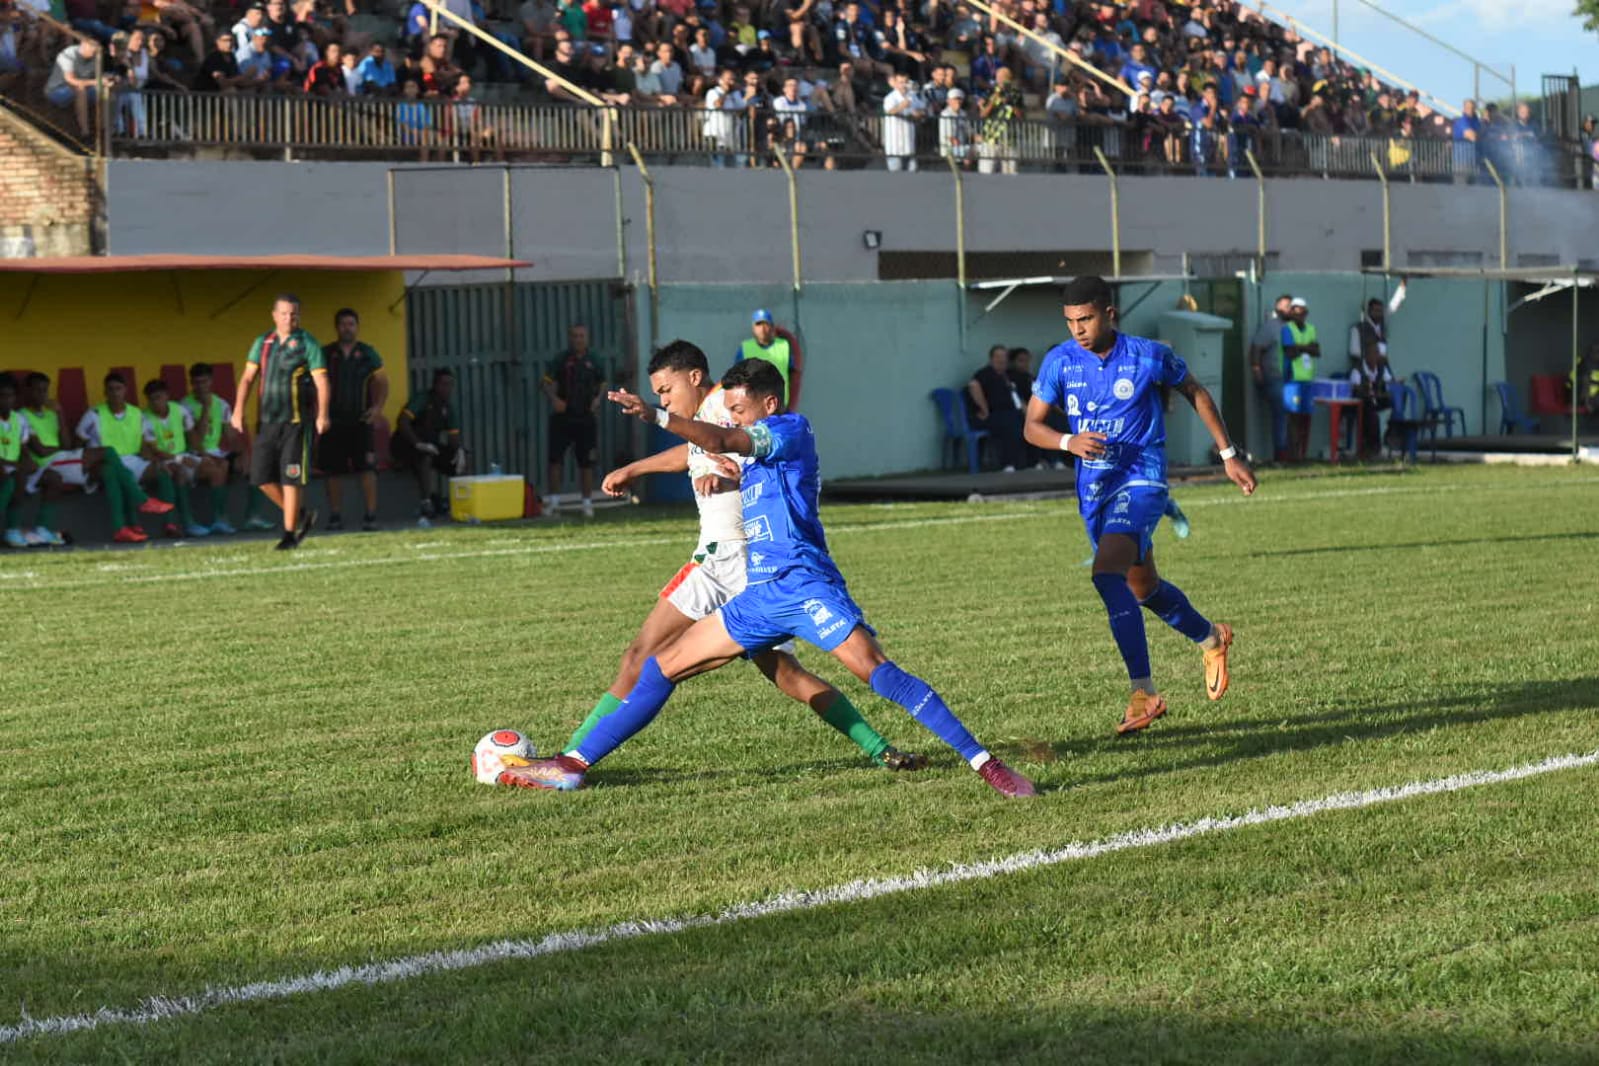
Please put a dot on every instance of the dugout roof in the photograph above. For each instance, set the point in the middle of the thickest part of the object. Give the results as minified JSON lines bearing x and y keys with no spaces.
{"x":116,"y":264}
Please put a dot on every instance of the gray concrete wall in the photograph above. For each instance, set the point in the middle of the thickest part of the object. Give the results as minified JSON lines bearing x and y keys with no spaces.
{"x":732,"y":226}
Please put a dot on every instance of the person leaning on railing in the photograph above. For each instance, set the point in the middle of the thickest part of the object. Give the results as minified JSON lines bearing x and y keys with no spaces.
{"x":220,"y":71}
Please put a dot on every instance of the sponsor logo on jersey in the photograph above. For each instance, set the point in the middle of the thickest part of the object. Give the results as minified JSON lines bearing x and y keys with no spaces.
{"x":751,"y":494}
{"x":1071,"y":405}
{"x":758,"y":528}
{"x":818,"y":611}
{"x":1123,"y":389}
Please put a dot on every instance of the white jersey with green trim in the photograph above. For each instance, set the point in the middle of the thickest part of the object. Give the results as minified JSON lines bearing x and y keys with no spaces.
{"x":721,"y":515}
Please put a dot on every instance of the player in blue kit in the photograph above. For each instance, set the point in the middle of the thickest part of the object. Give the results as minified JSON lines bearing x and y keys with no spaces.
{"x":1109,"y":384}
{"x":793,"y":588}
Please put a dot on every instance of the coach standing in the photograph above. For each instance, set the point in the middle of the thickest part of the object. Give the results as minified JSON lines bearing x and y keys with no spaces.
{"x":360,"y":389}
{"x":574,"y":385}
{"x":290,"y":366}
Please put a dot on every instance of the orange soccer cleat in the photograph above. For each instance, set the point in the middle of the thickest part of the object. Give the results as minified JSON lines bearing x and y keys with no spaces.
{"x":1216,"y":662}
{"x":1142,"y":709}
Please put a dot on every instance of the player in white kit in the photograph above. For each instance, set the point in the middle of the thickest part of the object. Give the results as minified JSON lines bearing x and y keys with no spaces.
{"x":716,"y":571}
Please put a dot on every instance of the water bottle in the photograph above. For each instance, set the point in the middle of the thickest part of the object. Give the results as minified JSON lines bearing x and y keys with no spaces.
{"x":494,"y":470}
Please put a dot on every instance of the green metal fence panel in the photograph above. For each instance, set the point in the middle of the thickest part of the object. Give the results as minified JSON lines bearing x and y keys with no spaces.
{"x":498,"y":339}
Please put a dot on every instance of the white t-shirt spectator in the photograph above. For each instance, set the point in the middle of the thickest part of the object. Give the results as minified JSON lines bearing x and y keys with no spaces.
{"x":899,"y":130}
{"x":721,"y":116}
{"x":954,"y":133}
{"x":794,"y":109}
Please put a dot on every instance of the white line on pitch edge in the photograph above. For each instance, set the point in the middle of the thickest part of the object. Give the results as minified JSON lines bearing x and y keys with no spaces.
{"x":619,"y":542}
{"x":160,"y":1008}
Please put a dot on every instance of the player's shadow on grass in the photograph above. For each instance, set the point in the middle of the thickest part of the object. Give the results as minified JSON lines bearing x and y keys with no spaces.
{"x":1381,"y":546}
{"x":1232,"y":739}
{"x":667,"y":775}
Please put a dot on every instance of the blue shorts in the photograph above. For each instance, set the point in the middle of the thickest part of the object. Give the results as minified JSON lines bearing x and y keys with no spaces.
{"x":1133,"y":508}
{"x":797,"y":603}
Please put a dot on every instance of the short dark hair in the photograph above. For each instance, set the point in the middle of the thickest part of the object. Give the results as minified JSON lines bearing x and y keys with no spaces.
{"x":200,"y":370}
{"x":344,"y":312}
{"x":679,"y":355}
{"x":8,"y":382}
{"x":1374,"y":302}
{"x":756,"y":377}
{"x":992,"y":348}
{"x":34,"y":378}
{"x":115,"y":377}
{"x":1088,"y":289}
{"x":286,"y":298}
{"x":441,"y":373}
{"x":153,"y":386}
{"x":1017,"y":353}
{"x":1285,"y":296}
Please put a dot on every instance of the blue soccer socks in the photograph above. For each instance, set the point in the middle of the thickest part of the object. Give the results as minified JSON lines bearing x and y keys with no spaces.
{"x":925,"y":705}
{"x":1169,"y":604}
{"x":1126,"y":625}
{"x":635,"y":712}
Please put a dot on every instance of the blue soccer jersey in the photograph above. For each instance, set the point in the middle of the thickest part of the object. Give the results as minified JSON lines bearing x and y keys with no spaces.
{"x":1123,"y":491}
{"x":780,"y":492}
{"x":793,"y":587}
{"x":1118,"y":396}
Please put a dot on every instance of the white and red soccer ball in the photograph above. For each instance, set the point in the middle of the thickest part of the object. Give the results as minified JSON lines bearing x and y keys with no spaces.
{"x":500,"y":750}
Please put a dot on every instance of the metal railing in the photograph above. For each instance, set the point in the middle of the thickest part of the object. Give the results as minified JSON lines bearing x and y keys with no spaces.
{"x":334,"y":127}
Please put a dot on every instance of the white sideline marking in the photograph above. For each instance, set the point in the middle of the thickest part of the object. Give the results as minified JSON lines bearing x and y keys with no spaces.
{"x":215,"y":571}
{"x":485,"y":553}
{"x":160,"y":1008}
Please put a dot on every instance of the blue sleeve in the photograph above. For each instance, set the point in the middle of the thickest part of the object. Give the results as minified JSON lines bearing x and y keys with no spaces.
{"x":738,"y":356}
{"x":1172,"y":368}
{"x":779,"y":438}
{"x":1046,"y":386}
{"x":1287,"y":337}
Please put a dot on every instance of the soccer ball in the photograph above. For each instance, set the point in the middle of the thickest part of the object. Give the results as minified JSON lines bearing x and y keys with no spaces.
{"x":500,"y":749}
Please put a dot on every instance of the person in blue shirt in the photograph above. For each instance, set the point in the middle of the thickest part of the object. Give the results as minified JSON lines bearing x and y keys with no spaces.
{"x":792,"y":589}
{"x":1109,"y":384}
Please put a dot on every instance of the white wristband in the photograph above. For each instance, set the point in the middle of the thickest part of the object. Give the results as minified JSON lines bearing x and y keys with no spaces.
{"x":1227,"y":453}
{"x":662,"y":416}
{"x":1066,"y":442}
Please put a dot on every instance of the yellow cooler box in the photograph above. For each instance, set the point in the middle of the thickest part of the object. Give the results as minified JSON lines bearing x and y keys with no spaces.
{"x":490,"y":498}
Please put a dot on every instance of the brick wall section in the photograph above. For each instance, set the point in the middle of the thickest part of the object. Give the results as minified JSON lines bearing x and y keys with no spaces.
{"x":49,"y":196}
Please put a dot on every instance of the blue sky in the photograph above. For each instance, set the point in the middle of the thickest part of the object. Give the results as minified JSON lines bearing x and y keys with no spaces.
{"x":1538,"y":36}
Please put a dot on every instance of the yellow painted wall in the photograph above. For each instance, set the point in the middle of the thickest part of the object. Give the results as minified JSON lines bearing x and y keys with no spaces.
{"x":144,"y":320}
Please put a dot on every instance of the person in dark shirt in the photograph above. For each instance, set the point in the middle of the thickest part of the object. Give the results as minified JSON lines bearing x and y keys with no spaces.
{"x":574,"y":385}
{"x":996,"y":407}
{"x":220,"y":71}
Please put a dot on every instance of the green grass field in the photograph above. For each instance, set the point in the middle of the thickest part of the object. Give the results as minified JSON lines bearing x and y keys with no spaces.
{"x":222,"y":765}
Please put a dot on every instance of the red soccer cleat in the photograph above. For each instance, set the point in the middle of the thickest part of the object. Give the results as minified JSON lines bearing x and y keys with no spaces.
{"x":560,"y":774}
{"x":151,"y":505}
{"x":130,"y":535}
{"x":1005,"y":781}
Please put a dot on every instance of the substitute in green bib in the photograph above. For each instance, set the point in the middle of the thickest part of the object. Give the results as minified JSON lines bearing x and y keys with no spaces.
{"x":55,"y":466}
{"x":170,"y":429}
{"x":117,"y":451}
{"x":220,"y":450}
{"x":295,"y":399}
{"x":777,"y":347}
{"x":1301,"y":356}
{"x":13,"y":462}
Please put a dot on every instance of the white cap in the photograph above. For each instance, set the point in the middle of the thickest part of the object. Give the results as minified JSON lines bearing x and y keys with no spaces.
{"x":957,"y":94}
{"x":1298,"y":301}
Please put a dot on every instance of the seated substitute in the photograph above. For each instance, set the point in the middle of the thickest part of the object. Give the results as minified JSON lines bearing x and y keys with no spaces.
{"x":427,"y":442}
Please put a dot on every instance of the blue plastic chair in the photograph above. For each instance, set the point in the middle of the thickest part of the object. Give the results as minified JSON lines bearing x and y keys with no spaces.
{"x":958,"y":431}
{"x":1406,"y":417}
{"x":1511,"y":420}
{"x":1434,"y":412}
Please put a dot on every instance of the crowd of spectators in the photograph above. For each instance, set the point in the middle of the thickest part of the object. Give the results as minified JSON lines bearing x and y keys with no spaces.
{"x":815,"y":79}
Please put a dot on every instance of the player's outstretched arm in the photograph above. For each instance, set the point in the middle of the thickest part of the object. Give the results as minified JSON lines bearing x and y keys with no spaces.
{"x":723,"y":440}
{"x":671,"y":461}
{"x":1205,"y":407}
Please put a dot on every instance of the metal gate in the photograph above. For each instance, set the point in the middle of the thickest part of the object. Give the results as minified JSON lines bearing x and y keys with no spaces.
{"x":498,"y":339}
